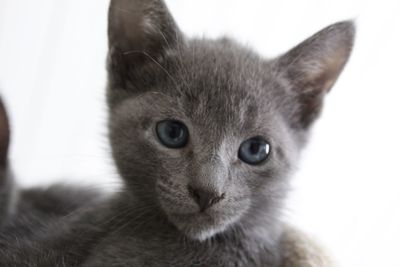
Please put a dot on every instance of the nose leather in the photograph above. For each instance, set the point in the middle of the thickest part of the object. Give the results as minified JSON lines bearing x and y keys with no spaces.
{"x":205,"y":198}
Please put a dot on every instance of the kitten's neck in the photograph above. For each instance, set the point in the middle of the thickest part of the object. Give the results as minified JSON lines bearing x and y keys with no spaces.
{"x":143,"y":218}
{"x":132,"y":223}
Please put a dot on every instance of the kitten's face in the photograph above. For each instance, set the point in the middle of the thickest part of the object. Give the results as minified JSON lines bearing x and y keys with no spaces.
{"x":220,"y":112}
{"x":207,"y":131}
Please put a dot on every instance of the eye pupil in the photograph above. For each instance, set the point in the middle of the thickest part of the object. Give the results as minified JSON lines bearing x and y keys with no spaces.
{"x":254,"y":151}
{"x":254,"y":148}
{"x":172,"y":133}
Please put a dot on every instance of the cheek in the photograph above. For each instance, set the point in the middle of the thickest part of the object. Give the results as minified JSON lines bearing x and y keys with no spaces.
{"x":133,"y":154}
{"x":141,"y":159}
{"x":238,"y":187}
{"x":254,"y":181}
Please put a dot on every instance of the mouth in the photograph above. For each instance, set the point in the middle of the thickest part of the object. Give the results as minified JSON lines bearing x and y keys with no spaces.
{"x":199,"y":226}
{"x":203,"y":225}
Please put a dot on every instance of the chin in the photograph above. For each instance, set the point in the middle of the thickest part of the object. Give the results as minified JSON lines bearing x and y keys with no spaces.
{"x":202,"y":226}
{"x":203,"y":234}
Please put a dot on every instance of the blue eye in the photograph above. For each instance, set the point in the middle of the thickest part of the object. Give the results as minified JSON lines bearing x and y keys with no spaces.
{"x":254,"y":150}
{"x":172,"y":133}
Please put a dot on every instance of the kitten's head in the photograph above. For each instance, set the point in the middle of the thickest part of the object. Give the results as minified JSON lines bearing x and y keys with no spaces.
{"x":207,"y":130}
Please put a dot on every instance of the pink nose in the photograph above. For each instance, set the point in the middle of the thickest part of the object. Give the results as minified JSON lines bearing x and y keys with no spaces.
{"x":205,"y":198}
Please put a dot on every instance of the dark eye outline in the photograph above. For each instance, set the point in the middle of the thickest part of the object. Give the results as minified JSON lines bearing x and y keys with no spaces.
{"x":164,"y":141}
{"x":255,"y":162}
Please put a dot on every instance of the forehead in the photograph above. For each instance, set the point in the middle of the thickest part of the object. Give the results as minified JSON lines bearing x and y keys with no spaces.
{"x":221,"y":83}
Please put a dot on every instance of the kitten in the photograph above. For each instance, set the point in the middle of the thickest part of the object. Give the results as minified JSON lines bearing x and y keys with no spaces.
{"x":205,"y":134}
{"x":5,"y":177}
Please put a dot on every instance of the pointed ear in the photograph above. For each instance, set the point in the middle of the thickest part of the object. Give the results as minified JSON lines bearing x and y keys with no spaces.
{"x":314,"y":66}
{"x":140,"y":31}
{"x":4,"y":135}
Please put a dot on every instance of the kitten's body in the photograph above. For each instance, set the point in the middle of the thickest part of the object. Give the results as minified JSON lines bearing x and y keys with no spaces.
{"x":224,"y":94}
{"x":117,"y":238}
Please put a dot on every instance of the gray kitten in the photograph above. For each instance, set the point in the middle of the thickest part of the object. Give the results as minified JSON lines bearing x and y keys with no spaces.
{"x":205,"y":134}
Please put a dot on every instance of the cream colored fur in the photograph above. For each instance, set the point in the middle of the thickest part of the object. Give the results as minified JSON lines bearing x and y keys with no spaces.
{"x":299,"y":250}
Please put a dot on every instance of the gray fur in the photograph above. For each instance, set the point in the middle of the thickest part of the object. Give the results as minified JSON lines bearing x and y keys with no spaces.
{"x":225,"y":94}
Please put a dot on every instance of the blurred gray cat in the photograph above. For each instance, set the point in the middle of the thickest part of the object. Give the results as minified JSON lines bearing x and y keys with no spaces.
{"x":205,"y":134}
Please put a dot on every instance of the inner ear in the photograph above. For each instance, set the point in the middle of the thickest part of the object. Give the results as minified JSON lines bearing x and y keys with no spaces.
{"x":313,"y":67}
{"x":141,"y":33}
{"x":141,"y":26}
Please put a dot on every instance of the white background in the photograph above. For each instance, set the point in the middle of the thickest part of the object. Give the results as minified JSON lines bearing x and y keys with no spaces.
{"x":347,"y":190}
